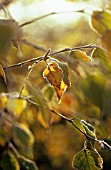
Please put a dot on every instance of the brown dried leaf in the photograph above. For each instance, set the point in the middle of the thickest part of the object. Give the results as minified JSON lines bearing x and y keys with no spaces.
{"x":54,"y":75}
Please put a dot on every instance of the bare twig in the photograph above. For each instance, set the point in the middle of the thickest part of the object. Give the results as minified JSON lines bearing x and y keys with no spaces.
{"x":49,"y":14}
{"x":37,"y":47}
{"x":30,"y":69}
{"x":53,"y":53}
{"x":24,"y":62}
{"x":71,"y":120}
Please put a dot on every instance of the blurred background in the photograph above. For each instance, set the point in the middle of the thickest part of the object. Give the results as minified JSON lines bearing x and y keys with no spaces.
{"x":89,"y":97}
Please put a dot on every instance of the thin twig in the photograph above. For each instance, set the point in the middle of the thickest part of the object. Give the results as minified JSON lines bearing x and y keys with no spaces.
{"x":70,"y":120}
{"x":49,"y":14}
{"x":24,"y":62}
{"x":53,"y":53}
{"x":30,"y":69}
{"x":27,"y":77}
{"x":37,"y":47}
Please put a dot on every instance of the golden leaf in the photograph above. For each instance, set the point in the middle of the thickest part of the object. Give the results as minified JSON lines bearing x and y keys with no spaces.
{"x":61,"y":90}
{"x":54,"y":75}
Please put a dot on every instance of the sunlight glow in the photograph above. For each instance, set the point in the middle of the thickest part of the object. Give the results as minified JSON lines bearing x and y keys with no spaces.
{"x":38,"y":8}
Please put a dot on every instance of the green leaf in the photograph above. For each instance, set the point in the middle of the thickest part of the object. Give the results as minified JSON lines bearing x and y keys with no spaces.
{"x":101,"y":21}
{"x":90,"y":130}
{"x":23,"y":138}
{"x":77,"y":122}
{"x":9,"y":162}
{"x":87,"y":160}
{"x":27,"y":164}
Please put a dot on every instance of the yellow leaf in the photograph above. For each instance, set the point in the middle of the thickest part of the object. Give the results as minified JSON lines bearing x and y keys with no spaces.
{"x":54,"y":75}
{"x":60,"y":90}
{"x":41,"y":120}
{"x":78,"y":55}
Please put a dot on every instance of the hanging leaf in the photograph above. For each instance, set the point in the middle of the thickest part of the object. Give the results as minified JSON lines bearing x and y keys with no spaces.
{"x":27,"y":164}
{"x":100,"y":53}
{"x":54,"y":75}
{"x":2,"y":73}
{"x":9,"y":162}
{"x":101,"y":21}
{"x":23,"y":139}
{"x":78,"y":55}
{"x":87,"y":160}
{"x":76,"y":61}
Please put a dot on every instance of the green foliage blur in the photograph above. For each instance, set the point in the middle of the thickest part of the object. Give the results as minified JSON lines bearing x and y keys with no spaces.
{"x":31,"y":136}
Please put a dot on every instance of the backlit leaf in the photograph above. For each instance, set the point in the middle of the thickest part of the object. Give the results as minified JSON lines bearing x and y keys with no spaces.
{"x":78,"y":55}
{"x":87,"y":160}
{"x":54,"y":75}
{"x":90,"y":130}
{"x":100,"y":53}
{"x":76,"y":60}
{"x":101,"y":21}
{"x":9,"y":162}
